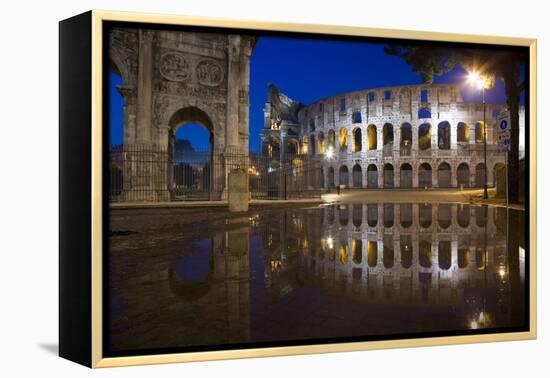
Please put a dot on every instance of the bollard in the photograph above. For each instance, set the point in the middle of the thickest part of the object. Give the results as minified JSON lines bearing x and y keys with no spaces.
{"x":238,"y":190}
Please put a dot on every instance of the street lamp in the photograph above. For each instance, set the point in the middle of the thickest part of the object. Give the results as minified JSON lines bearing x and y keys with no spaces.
{"x":481,"y":82}
{"x":330,"y":153}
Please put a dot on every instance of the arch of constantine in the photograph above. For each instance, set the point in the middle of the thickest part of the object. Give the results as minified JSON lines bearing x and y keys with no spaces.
{"x":172,"y":78}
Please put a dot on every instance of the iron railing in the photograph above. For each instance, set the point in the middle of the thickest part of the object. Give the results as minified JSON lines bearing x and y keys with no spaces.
{"x":154,"y":173}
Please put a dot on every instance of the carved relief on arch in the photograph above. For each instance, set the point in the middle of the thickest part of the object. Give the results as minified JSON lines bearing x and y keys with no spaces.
{"x":209,"y":73}
{"x":123,"y":54}
{"x":174,"y":67}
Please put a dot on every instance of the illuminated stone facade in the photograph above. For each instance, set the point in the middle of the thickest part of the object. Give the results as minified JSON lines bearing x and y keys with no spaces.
{"x":419,"y":136}
{"x":171,"y":78}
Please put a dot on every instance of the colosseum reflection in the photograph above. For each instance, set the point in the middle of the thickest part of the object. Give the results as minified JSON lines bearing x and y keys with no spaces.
{"x":359,"y":270}
{"x":419,"y":136}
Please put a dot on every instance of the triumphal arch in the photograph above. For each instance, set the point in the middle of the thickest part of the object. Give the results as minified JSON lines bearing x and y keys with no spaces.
{"x":172,"y":78}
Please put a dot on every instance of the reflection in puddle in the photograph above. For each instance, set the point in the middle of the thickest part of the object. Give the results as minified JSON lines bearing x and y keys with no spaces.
{"x":336,"y":271}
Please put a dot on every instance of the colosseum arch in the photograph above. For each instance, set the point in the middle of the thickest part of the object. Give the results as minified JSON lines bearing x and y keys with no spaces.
{"x":372,"y":176}
{"x":343,"y":139}
{"x":479,"y":129}
{"x":406,"y":176}
{"x":387,"y":134}
{"x":330,"y":177}
{"x":344,"y":176}
{"x":462,"y":133}
{"x":425,"y":175}
{"x":463,"y":175}
{"x":444,"y":176}
{"x":388,"y":176}
{"x":372,"y":138}
{"x":331,"y":136}
{"x":406,"y":139}
{"x":425,"y":136}
{"x":357,"y":176}
{"x":480,"y":175}
{"x":321,"y":143}
{"x":357,"y":145}
{"x":444,"y":135}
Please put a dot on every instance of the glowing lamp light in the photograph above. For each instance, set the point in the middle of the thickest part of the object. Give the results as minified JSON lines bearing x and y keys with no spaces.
{"x":330,"y":242}
{"x":502,"y":272}
{"x":475,"y":78}
{"x":474,"y":325}
{"x":330,"y":153}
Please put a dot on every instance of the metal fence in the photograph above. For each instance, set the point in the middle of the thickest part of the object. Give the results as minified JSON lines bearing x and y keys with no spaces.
{"x":152,"y":173}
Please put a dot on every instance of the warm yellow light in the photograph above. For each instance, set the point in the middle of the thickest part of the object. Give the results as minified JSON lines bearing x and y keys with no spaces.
{"x":474,"y":325}
{"x":330,"y":242}
{"x":475,"y":78}
{"x":330,"y":153}
{"x":502,"y":272}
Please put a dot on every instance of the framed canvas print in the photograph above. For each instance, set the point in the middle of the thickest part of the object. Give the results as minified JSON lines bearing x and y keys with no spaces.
{"x":235,"y":189}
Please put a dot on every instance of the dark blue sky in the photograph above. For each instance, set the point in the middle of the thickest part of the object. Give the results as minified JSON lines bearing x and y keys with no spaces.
{"x":307,"y":70}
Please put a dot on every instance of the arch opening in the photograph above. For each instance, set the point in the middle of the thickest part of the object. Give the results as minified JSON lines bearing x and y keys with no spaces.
{"x":444,"y":177}
{"x":406,"y":176}
{"x":372,"y":142}
{"x":388,"y":176}
{"x":425,"y":175}
{"x":463,"y":175}
{"x":344,"y":176}
{"x":357,"y":176}
{"x":190,"y":146}
{"x":462,"y":133}
{"x":444,"y":135}
{"x":425,"y":136}
{"x":372,"y":176}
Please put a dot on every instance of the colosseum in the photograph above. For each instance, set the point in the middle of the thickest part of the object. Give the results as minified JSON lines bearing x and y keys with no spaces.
{"x":416,"y":136}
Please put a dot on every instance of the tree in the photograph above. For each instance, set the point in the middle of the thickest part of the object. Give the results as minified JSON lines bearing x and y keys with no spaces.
{"x":429,"y":61}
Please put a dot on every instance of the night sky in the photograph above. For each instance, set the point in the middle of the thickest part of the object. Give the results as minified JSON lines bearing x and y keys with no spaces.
{"x":307,"y":70}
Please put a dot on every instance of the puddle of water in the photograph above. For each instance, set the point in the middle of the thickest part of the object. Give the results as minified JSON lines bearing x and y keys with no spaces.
{"x":349,"y":270}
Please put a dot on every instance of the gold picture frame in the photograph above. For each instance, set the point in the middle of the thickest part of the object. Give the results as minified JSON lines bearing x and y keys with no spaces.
{"x":96,"y":18}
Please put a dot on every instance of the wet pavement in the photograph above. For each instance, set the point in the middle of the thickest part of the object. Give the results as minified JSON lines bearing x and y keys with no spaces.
{"x":200,"y":279}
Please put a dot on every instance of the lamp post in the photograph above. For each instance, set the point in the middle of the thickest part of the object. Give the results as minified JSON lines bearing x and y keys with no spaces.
{"x":482,"y":82}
